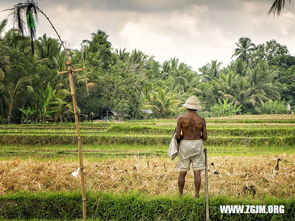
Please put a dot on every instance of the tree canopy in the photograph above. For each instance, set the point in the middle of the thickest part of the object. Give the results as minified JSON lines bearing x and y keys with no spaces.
{"x":259,"y":79}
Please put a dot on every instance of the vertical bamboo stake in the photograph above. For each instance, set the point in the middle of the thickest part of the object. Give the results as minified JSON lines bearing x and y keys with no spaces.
{"x":206,"y":186}
{"x":70,"y":71}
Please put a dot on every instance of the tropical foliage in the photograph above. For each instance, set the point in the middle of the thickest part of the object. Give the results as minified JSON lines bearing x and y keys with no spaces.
{"x":259,"y":79}
{"x":225,"y":108}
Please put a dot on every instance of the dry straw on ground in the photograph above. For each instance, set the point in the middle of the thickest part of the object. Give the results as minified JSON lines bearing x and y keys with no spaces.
{"x":152,"y":176}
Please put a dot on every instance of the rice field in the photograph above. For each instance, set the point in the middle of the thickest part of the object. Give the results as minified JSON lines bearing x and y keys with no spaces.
{"x":153,"y":176}
{"x":132,"y":156}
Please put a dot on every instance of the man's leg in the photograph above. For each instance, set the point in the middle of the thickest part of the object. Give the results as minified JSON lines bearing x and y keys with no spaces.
{"x":181,"y":182}
{"x":197,"y":180}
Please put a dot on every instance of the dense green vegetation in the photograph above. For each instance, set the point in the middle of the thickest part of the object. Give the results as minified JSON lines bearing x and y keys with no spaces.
{"x":260,"y":79}
{"x":131,"y":206}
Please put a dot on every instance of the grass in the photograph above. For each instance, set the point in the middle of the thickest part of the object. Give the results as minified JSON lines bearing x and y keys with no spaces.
{"x":102,"y":152}
{"x":129,"y":206}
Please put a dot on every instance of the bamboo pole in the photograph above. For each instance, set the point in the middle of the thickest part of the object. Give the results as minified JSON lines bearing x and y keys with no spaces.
{"x":70,"y":71}
{"x":206,"y":186}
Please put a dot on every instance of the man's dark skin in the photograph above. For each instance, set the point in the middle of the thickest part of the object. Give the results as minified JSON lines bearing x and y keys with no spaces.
{"x":193,"y":127}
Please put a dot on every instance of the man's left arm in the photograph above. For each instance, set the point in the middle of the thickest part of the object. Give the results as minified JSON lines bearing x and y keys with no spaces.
{"x":178,"y":129}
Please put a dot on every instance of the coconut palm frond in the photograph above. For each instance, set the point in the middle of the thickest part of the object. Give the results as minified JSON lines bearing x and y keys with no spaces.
{"x":3,"y":23}
{"x":277,"y":7}
{"x":18,"y":18}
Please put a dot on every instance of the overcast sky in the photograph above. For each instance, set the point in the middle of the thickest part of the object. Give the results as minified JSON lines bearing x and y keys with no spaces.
{"x":195,"y":31}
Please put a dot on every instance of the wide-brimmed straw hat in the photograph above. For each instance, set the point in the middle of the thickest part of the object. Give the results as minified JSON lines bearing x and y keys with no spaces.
{"x":192,"y":103}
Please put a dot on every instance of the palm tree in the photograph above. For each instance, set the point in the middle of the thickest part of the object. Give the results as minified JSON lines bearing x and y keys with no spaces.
{"x":14,"y":91}
{"x":170,"y":68}
{"x":210,"y":71}
{"x":163,"y":102}
{"x":245,"y":47}
{"x":13,"y":40}
{"x":99,"y":49}
{"x":46,"y":100}
{"x":137,"y":62}
{"x":123,"y":55}
{"x":261,"y":87}
{"x":61,"y":107}
{"x":228,"y":85}
{"x":239,"y":67}
{"x":47,"y":47}
{"x":277,"y":7}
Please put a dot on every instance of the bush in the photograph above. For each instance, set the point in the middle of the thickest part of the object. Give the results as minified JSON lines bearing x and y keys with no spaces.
{"x":273,"y":107}
{"x":225,"y":108}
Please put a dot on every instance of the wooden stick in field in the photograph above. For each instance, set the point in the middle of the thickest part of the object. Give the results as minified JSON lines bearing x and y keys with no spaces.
{"x":206,"y":186}
{"x":70,"y":71}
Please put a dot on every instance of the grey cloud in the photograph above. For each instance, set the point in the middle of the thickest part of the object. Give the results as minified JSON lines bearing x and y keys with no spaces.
{"x":121,"y":5}
{"x":214,"y":25}
{"x":137,"y":5}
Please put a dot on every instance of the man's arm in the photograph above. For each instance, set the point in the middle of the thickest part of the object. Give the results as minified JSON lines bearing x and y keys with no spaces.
{"x":178,"y":129}
{"x":204,"y":131}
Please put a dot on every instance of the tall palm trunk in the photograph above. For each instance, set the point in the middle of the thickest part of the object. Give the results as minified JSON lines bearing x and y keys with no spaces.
{"x":8,"y":119}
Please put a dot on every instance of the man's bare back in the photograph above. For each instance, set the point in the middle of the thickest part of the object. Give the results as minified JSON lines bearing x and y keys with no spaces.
{"x":192,"y":126}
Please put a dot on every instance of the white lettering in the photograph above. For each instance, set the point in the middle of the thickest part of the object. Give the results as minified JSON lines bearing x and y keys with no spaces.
{"x":270,"y":209}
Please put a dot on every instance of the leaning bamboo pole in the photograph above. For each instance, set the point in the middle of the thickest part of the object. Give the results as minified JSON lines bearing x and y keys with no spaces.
{"x":70,"y":71}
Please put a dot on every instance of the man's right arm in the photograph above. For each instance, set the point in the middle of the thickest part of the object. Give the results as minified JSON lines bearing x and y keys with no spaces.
{"x":204,"y":131}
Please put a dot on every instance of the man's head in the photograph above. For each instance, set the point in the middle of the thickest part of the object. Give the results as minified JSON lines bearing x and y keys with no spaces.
{"x":192,"y":103}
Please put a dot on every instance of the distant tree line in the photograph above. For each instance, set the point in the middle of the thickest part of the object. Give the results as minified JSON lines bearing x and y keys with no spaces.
{"x":260,"y":79}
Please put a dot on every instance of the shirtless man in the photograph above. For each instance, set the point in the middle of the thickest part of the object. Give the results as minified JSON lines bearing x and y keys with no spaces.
{"x":191,"y":129}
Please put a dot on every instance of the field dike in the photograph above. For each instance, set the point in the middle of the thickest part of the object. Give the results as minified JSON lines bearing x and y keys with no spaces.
{"x":139,"y":139}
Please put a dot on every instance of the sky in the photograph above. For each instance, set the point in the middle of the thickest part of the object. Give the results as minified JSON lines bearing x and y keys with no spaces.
{"x":194,"y":31}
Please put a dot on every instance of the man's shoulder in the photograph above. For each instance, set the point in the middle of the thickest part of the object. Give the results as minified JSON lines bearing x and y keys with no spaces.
{"x":182,"y":116}
{"x":200,"y":119}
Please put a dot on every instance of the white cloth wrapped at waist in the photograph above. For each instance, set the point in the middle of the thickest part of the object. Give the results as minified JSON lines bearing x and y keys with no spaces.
{"x":190,"y":148}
